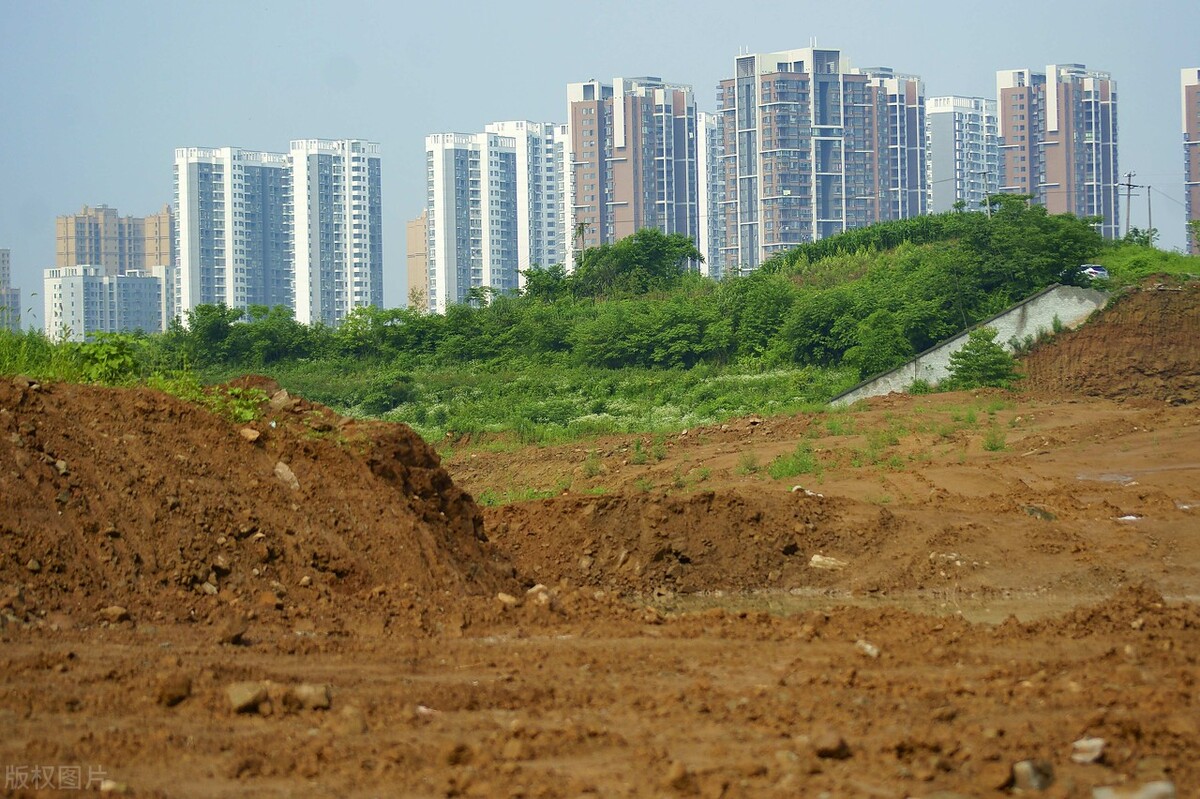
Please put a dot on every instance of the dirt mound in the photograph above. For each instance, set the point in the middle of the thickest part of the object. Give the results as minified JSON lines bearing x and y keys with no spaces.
{"x":1145,"y":344}
{"x":727,"y":540}
{"x":133,"y":498}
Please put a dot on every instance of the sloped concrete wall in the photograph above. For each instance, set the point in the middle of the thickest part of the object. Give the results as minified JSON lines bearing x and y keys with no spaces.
{"x":1070,"y":304}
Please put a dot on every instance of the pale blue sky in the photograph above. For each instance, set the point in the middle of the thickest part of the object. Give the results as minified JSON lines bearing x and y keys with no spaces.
{"x":95,"y":96}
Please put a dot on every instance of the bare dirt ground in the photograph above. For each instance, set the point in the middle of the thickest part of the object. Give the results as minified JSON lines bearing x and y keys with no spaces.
{"x":939,"y":597}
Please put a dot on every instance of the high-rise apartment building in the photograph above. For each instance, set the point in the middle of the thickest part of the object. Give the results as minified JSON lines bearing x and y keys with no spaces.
{"x":472,"y":206}
{"x":962,"y":153}
{"x":811,"y":148}
{"x":82,"y":300}
{"x":710,"y":193}
{"x":234,"y":244}
{"x":101,"y":237}
{"x":541,"y":193}
{"x":632,"y":154}
{"x":416,"y":239}
{"x":10,"y":297}
{"x":338,"y":228}
{"x":301,"y":229}
{"x":1058,"y":140}
{"x":1190,"y":96}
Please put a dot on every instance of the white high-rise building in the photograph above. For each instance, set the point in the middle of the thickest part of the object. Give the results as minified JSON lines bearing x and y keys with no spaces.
{"x":472,"y":200}
{"x":302,"y":229}
{"x":234,"y":238}
{"x":338,"y":228}
{"x":962,"y":161}
{"x":541,"y":193}
{"x":710,"y":193}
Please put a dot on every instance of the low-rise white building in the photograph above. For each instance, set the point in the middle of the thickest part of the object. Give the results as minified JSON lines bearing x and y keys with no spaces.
{"x":82,"y":300}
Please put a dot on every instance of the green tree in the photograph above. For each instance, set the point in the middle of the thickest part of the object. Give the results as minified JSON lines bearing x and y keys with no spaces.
{"x":647,"y":261}
{"x":981,"y":362}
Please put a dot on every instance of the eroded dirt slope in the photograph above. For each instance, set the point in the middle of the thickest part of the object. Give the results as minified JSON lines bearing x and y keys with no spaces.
{"x":1145,"y":344}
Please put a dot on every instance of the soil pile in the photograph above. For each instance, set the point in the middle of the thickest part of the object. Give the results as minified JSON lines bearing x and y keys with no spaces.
{"x":1146,"y":344}
{"x":724,"y":540}
{"x":135,"y":499}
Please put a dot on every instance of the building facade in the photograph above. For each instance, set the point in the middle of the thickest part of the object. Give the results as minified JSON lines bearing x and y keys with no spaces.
{"x":541,"y":193}
{"x":10,"y":296}
{"x":81,"y":301}
{"x":337,"y":202}
{"x":302,"y":229}
{"x":962,"y":152}
{"x":416,"y":239}
{"x":710,"y":194}
{"x":100,"y":236}
{"x":1190,"y":97}
{"x":632,"y":151}
{"x":1058,"y":140}
{"x":811,"y":148}
{"x":234,"y":243}
{"x":472,"y":206}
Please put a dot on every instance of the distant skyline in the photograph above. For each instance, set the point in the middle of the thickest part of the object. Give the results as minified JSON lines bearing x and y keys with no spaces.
{"x":95,"y":97}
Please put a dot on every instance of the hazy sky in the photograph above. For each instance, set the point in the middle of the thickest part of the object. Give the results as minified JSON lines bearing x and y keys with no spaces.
{"x":95,"y":96}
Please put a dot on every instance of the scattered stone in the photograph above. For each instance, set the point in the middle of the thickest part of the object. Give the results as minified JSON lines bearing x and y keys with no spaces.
{"x":174,"y":689}
{"x":34,"y":565}
{"x":305,"y":581}
{"x":1087,"y":750}
{"x":507,"y":599}
{"x":61,"y":467}
{"x":221,"y":565}
{"x":112,"y":786}
{"x":250,"y":434}
{"x":1032,"y":775}
{"x":829,"y":744}
{"x":867,"y":648}
{"x":114,"y":614}
{"x":823,"y":562}
{"x":208,"y":588}
{"x":233,"y":632}
{"x":1160,"y":789}
{"x":268,"y":599}
{"x":280,"y":400}
{"x":245,"y":697}
{"x":286,"y":476}
{"x":308,"y":696}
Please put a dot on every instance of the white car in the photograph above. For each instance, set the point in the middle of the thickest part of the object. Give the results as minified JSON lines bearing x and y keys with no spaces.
{"x":1094,"y":271}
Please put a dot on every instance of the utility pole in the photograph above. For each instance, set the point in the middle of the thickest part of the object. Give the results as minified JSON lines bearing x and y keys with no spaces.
{"x":1149,"y":212}
{"x":1128,"y":184}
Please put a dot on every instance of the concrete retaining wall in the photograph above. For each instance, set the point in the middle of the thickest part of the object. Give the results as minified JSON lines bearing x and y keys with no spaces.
{"x":1070,"y":304}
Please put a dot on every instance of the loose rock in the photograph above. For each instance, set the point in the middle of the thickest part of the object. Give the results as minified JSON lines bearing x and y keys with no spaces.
{"x":114,"y":614}
{"x":823,"y":562}
{"x":245,"y":697}
{"x":1087,"y":750}
{"x":286,"y":476}
{"x":308,"y":696}
{"x":1032,"y":775}
{"x":174,"y":689}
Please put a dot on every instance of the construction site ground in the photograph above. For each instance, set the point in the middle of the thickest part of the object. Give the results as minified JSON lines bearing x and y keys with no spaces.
{"x":973,"y":594}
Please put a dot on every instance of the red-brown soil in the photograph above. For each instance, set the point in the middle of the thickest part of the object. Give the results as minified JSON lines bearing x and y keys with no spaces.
{"x":1011,"y":573}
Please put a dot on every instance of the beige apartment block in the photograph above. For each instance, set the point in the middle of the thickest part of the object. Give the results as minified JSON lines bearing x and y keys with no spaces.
{"x":1058,"y":140}
{"x":416,"y":233}
{"x":101,"y":237}
{"x":631,"y":161}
